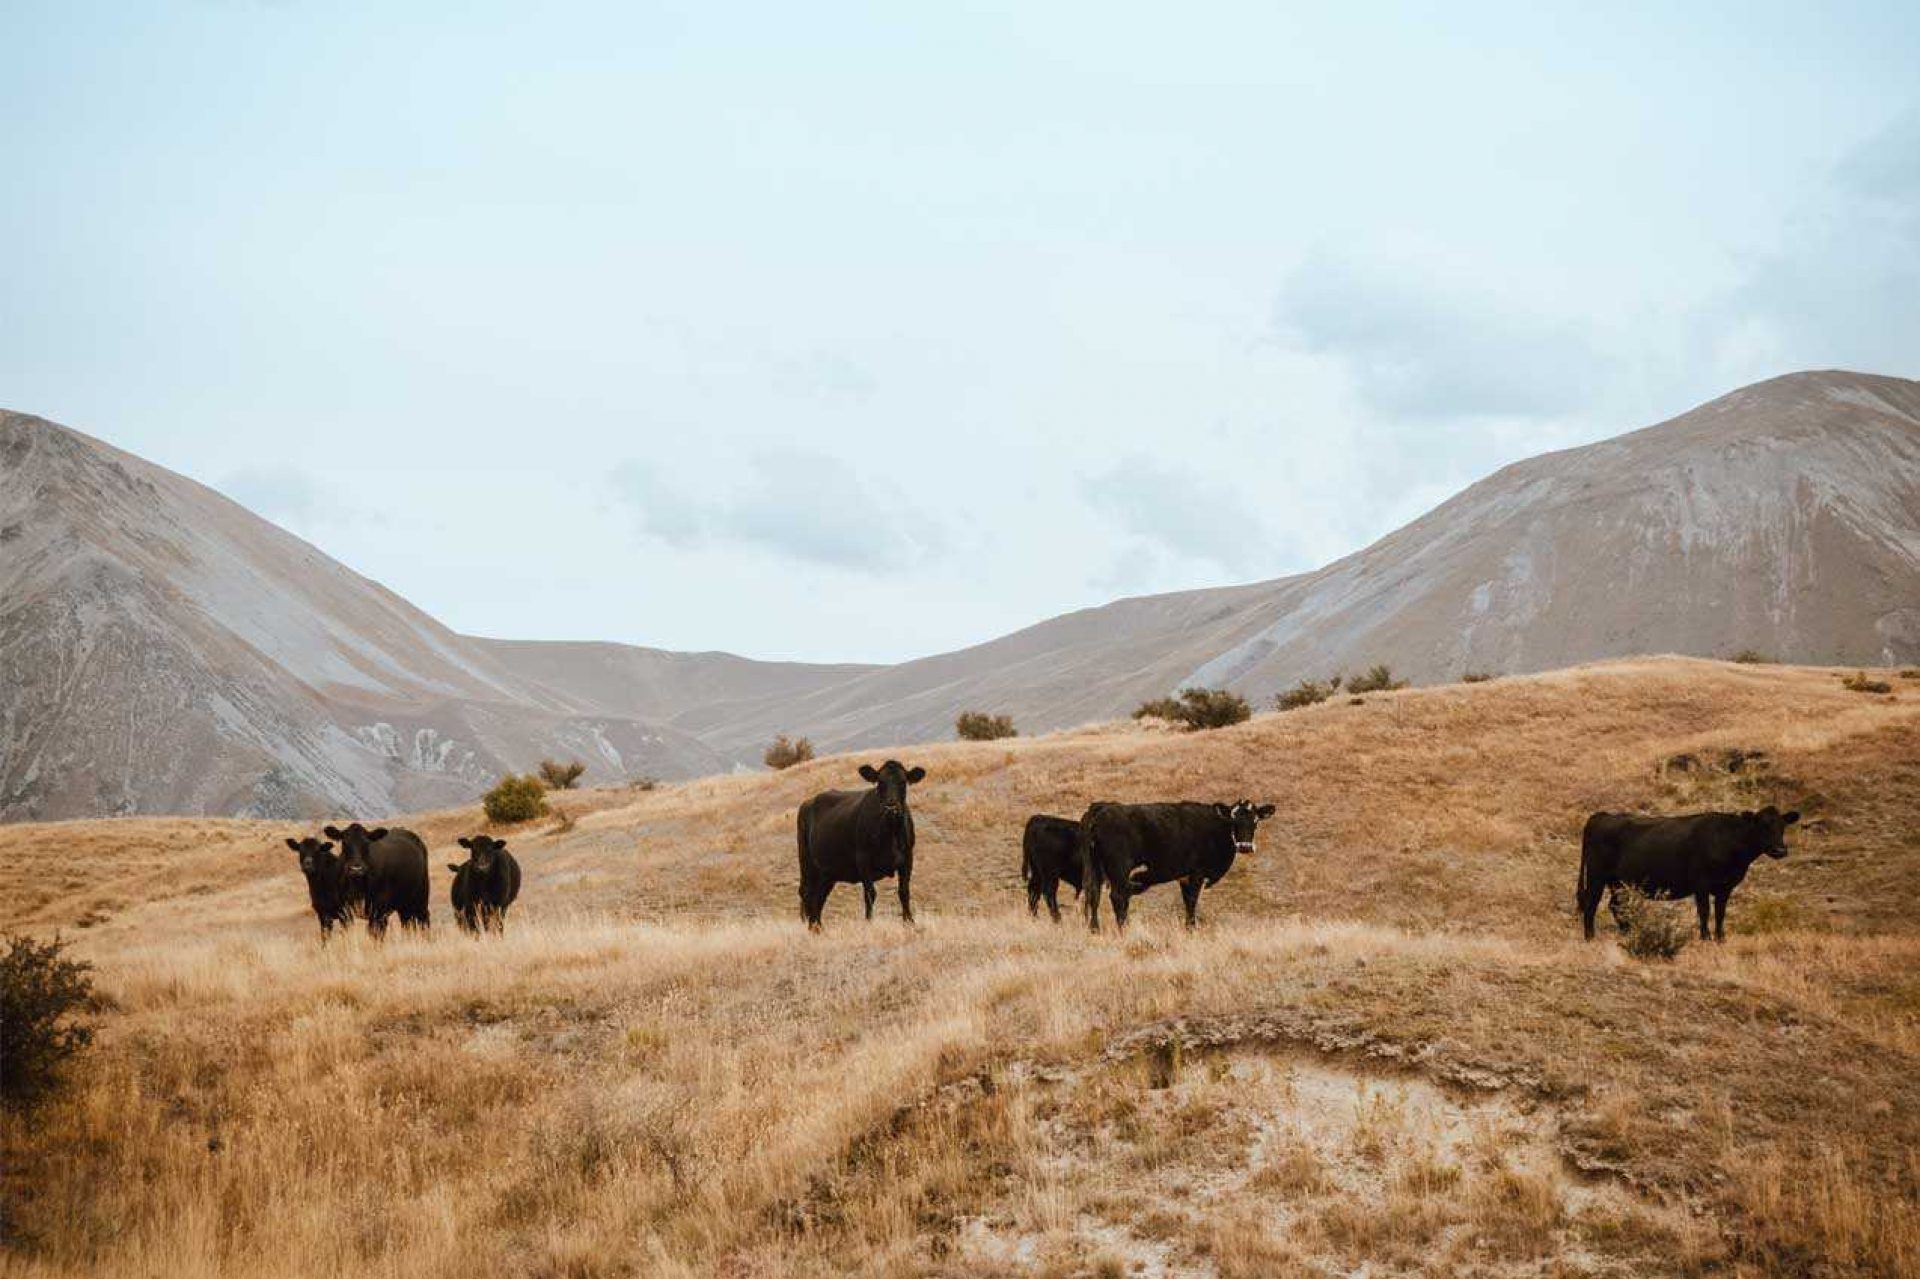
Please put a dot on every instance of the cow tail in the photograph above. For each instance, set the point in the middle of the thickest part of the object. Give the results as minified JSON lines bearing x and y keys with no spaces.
{"x":1091,"y":876}
{"x":1026,"y":860}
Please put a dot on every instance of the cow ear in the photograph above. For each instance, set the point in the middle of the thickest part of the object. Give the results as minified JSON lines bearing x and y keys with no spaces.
{"x":1264,"y":811}
{"x":867,"y":773}
{"x":916,"y":774}
{"x":331,"y":832}
{"x":294,"y":844}
{"x":1790,"y":818}
{"x":465,"y":841}
{"x":454,"y":867}
{"x":377,"y":834}
{"x":1223,"y":811}
{"x":499,"y":845}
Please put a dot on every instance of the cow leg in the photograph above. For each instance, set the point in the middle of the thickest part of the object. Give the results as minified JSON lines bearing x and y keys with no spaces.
{"x":906,"y":895}
{"x":817,"y":905}
{"x":1033,"y":898}
{"x":1053,"y":900}
{"x":1092,"y":903}
{"x":868,"y":893}
{"x":1589,"y":907}
{"x":1121,"y":897}
{"x":1190,"y":898}
{"x":1720,"y":916}
{"x":1700,"y":905}
{"x":376,"y":924}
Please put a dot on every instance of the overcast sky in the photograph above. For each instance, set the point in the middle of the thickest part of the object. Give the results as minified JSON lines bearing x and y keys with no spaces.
{"x":866,"y":332}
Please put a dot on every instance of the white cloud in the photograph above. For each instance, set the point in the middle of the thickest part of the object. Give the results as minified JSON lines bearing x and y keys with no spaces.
{"x":790,"y":502}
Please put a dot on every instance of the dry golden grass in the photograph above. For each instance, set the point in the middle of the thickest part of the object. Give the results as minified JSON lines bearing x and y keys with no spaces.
{"x":1386,"y":1047}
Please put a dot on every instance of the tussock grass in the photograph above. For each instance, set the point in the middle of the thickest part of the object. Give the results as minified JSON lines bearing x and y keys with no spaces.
{"x":1395,"y":1052}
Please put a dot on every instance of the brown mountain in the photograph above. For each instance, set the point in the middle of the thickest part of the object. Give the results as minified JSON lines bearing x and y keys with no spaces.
{"x":164,"y":650}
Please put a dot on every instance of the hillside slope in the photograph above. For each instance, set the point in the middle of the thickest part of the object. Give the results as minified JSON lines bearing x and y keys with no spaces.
{"x":1385,"y":1050}
{"x":164,"y":650}
{"x":1784,"y":517}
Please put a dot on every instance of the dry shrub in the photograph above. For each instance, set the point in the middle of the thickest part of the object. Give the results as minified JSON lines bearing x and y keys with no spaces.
{"x":1376,"y":679}
{"x":1752,"y":657}
{"x":1654,"y":930}
{"x":558,"y":776}
{"x":1198,"y":708}
{"x":42,"y":994}
{"x":515,"y":799}
{"x":1308,"y":692}
{"x":1859,"y":683}
{"x":785,"y":754}
{"x":1478,"y":677}
{"x":1762,"y":912}
{"x":978,"y":726}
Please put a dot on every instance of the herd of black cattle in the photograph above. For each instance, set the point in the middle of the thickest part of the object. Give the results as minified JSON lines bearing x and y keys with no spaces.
{"x":866,"y":836}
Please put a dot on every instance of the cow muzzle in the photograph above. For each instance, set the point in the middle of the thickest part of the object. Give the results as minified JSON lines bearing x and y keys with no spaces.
{"x":1243,"y":846}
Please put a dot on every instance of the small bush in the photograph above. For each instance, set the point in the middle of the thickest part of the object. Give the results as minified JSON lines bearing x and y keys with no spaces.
{"x":1777,"y":913}
{"x":1653,"y":932}
{"x":1478,"y":677}
{"x":785,"y":754}
{"x":1378,"y":679}
{"x":515,"y":799}
{"x":646,"y":781}
{"x":42,"y":994}
{"x":1752,"y":657}
{"x":1166,"y":708}
{"x":560,"y":776}
{"x":1308,"y":692}
{"x":978,"y":726}
{"x":1859,"y":683}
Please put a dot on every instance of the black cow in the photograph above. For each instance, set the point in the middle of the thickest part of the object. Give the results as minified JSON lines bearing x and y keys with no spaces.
{"x":1131,"y":847}
{"x":1049,"y":853}
{"x":1702,"y":856}
{"x":857,"y":837}
{"x":484,"y":885}
{"x":327,"y":885}
{"x":389,"y":870}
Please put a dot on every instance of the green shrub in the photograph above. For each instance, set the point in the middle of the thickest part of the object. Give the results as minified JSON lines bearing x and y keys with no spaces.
{"x":42,"y":994}
{"x":1198,"y":708}
{"x":785,"y":754}
{"x":1653,"y":931}
{"x":1478,"y":677}
{"x":1859,"y":683}
{"x":1378,"y":679}
{"x":558,"y":776}
{"x":1308,"y":692}
{"x":978,"y":726}
{"x":1752,"y":657}
{"x":515,"y":799}
{"x":1776,"y":913}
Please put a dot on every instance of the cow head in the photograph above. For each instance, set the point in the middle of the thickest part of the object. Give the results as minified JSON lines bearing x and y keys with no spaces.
{"x":1243,"y":818}
{"x":484,"y":852}
{"x":890,"y":782}
{"x":317,"y":858}
{"x":355,"y":841}
{"x":1768,"y":829}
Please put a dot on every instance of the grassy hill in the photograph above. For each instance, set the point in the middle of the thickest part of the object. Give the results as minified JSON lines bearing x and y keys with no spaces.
{"x":1385,"y":1047}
